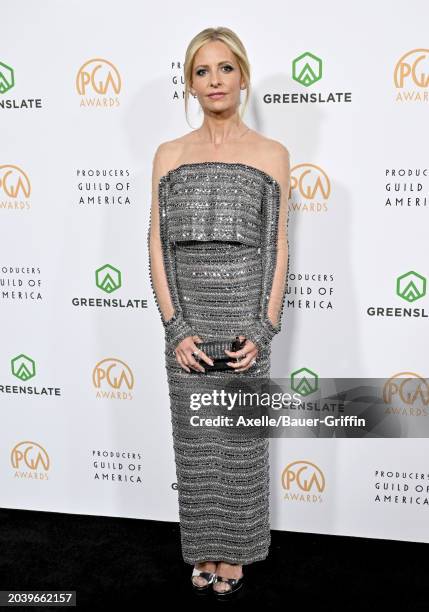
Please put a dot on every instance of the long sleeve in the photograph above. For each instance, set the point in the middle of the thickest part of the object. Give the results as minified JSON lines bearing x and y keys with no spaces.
{"x":274,"y":257}
{"x":162,"y":263}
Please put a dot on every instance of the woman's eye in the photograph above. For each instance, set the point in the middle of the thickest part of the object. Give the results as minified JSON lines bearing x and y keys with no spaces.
{"x":201,"y":71}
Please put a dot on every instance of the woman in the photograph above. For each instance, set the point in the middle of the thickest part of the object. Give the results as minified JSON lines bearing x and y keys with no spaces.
{"x":218,"y":265}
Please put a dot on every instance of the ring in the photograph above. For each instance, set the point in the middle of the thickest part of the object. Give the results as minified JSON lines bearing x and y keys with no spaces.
{"x":196,"y":353}
{"x":253,"y":362}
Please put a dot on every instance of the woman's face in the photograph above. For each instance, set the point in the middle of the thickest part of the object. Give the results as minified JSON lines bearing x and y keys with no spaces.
{"x":215,"y":69}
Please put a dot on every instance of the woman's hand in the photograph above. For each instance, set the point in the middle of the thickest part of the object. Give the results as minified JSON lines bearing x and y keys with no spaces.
{"x":250,"y":351}
{"x":185,"y":354}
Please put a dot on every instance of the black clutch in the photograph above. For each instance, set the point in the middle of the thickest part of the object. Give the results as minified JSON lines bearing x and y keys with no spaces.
{"x":215,"y":349}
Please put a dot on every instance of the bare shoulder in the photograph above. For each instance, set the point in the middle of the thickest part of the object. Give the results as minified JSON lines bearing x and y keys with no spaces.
{"x":274,"y":156}
{"x":168,"y":152}
{"x":277,"y":157}
{"x":276,"y":149}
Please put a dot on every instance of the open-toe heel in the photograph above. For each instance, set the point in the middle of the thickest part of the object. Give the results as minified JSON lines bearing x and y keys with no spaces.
{"x":235,"y":585}
{"x":209,"y":576}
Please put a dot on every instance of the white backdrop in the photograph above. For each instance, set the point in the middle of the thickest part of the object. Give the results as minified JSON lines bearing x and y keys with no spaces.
{"x":85,"y":407}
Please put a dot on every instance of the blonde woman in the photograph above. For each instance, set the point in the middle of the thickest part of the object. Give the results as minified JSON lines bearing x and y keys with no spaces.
{"x":219,"y":259}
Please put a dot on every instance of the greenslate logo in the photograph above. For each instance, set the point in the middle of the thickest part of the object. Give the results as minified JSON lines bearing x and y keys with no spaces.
{"x":108,"y":278}
{"x":307,"y":69}
{"x":7,"y":79}
{"x":23,"y":367}
{"x":304,"y":381}
{"x":411,"y":286}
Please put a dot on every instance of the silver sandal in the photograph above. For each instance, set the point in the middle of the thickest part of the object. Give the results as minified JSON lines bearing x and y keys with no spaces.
{"x":209,"y":576}
{"x":235,"y":585}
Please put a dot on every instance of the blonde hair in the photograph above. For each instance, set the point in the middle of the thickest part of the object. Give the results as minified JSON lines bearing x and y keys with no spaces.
{"x":230,"y":39}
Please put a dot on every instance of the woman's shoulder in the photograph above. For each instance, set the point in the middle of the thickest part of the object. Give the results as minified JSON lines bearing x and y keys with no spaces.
{"x":269,"y":154}
{"x":273,"y":149}
{"x":178,"y":143}
{"x":168,"y":152}
{"x":274,"y":156}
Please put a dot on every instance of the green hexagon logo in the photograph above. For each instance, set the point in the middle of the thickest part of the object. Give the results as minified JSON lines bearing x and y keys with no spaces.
{"x":108,"y":278}
{"x":307,"y":69}
{"x":304,"y":381}
{"x":7,"y":78}
{"x":411,"y":286}
{"x":23,"y":367}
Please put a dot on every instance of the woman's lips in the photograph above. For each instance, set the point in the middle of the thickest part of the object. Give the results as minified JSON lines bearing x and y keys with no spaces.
{"x":216,"y":96}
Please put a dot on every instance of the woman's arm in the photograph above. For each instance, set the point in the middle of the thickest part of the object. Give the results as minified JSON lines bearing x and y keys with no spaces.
{"x":162,"y":263}
{"x":274,"y":253}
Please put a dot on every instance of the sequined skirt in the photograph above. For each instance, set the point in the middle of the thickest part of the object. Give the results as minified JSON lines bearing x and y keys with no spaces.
{"x":222,"y":480}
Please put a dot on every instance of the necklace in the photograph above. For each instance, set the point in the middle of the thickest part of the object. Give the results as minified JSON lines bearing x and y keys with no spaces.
{"x":245,"y":132}
{"x":241,"y":135}
{"x":238,"y":138}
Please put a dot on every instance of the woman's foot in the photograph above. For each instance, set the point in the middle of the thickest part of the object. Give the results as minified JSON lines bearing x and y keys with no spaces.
{"x":206,"y":566}
{"x":226,"y":570}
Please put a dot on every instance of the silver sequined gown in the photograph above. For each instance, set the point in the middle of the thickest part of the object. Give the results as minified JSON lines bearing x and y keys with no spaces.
{"x":218,"y":226}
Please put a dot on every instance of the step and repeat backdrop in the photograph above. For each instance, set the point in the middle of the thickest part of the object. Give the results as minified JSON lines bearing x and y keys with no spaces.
{"x":87,"y":93}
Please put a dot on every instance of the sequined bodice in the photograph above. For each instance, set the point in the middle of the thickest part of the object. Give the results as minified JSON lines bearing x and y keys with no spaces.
{"x":214,"y":201}
{"x":220,"y":232}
